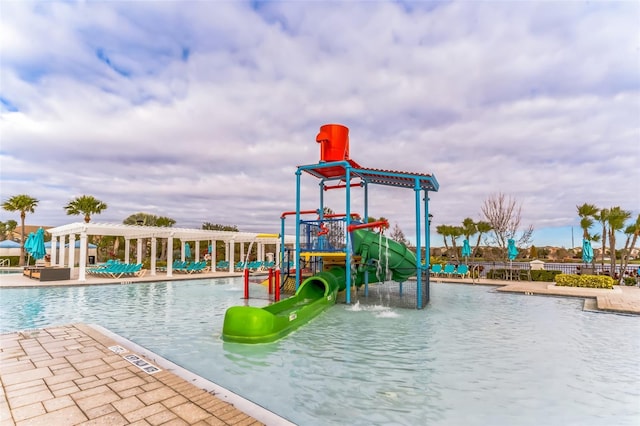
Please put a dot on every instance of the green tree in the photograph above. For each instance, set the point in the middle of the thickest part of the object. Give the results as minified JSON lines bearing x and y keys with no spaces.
{"x":7,"y":228}
{"x":453,"y":233}
{"x":616,"y":221}
{"x":217,"y":227}
{"x":603,"y":218}
{"x":445,"y":231}
{"x":632,"y":231}
{"x":86,"y":205}
{"x":24,"y":204}
{"x":471,"y":228}
{"x":587,"y":213}
{"x":533,"y":252}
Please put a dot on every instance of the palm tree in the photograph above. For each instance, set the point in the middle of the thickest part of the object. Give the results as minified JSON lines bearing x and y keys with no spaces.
{"x":587,"y":213}
{"x":456,"y":232}
{"x":469,"y":228}
{"x":483,"y":228}
{"x":86,"y":205}
{"x":603,"y":218}
{"x":617,"y":218}
{"x":632,"y":231}
{"x":445,"y":231}
{"x":24,"y":204}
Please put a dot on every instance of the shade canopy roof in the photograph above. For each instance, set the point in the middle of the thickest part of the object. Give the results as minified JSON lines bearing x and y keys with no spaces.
{"x":184,"y":234}
{"x":400,"y":179}
{"x":9,"y":244}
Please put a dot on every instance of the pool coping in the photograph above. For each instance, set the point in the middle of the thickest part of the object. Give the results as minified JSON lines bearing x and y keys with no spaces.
{"x":247,"y":406}
{"x":85,"y":374}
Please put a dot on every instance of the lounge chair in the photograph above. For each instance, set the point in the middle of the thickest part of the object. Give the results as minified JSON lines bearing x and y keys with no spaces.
{"x":449,"y":269}
{"x":196,"y":267}
{"x":132,"y":270}
{"x":436,"y":269}
{"x":462,"y":271}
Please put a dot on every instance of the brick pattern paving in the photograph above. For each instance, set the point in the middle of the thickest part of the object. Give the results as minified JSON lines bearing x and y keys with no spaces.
{"x":68,"y":376}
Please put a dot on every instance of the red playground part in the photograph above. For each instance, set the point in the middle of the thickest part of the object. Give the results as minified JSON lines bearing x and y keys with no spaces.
{"x":334,"y":142}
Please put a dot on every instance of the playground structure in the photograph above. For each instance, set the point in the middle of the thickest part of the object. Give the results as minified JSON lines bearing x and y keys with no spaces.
{"x":337,"y":255}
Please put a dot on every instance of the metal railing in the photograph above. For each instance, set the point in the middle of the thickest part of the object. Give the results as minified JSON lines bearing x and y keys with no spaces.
{"x":566,"y":268}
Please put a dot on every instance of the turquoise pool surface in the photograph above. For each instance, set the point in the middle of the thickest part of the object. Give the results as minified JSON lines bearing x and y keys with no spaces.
{"x":472,"y":357}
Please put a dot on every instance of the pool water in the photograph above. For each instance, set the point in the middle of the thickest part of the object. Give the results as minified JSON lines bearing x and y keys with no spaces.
{"x":473,"y":356}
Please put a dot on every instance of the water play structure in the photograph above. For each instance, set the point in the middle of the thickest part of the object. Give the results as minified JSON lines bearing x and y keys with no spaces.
{"x":340,"y":255}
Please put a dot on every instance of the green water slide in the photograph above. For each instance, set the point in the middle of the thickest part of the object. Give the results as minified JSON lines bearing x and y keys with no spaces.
{"x":247,"y":324}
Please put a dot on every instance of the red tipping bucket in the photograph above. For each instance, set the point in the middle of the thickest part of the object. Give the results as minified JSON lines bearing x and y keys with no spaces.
{"x":334,"y":142}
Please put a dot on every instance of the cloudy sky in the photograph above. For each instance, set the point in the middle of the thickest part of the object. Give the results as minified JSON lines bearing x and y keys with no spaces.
{"x":202,"y":110}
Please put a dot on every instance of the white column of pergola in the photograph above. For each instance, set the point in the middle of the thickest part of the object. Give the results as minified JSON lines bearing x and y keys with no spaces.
{"x":154,"y":249}
{"x":139,"y":250}
{"x":127,"y":249}
{"x":63,"y":255}
{"x":82,"y":263}
{"x":170,"y":256}
{"x":54,"y":251}
{"x":72,"y":254}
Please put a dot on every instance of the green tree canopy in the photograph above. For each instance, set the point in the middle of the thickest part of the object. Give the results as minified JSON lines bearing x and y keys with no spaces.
{"x":86,"y":205}
{"x":24,"y":204}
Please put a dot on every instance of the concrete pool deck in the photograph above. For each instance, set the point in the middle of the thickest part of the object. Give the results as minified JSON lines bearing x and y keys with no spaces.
{"x":84,"y":375}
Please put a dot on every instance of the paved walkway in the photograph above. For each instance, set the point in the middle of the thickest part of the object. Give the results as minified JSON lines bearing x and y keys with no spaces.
{"x":76,"y":375}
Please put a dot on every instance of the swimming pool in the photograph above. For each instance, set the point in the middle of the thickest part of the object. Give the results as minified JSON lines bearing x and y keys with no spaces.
{"x":473,"y":357}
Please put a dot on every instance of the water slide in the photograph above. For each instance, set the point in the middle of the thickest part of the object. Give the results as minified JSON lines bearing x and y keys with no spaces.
{"x":247,"y":324}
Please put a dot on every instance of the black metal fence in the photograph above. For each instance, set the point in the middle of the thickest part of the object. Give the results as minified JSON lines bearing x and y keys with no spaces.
{"x":565,"y":268}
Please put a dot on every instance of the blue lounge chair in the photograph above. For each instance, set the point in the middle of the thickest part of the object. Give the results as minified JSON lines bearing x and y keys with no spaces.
{"x":196,"y":267}
{"x":436,"y":269}
{"x":462,"y":271}
{"x":449,"y":269}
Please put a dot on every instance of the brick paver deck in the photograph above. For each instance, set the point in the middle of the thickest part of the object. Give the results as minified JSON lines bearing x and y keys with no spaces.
{"x":69,"y":376}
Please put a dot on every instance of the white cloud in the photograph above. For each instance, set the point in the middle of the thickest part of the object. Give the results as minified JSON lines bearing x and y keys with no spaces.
{"x":202,"y":110}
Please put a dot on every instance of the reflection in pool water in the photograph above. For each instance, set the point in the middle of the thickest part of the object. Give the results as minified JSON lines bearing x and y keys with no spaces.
{"x":472,"y":357}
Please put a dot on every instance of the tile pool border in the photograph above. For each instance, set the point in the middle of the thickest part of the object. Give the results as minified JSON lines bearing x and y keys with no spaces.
{"x":248,"y":407}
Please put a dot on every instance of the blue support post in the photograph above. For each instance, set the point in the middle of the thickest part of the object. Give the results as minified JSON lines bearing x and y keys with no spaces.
{"x":282,"y":248}
{"x":347,"y":236}
{"x":297,"y":259}
{"x":417,"y":190}
{"x":427,"y":239}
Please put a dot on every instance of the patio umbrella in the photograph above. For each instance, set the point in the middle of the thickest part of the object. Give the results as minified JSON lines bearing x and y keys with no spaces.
{"x":37,"y":245}
{"x":512,"y":251}
{"x":28,"y":243}
{"x":466,"y":250}
{"x":187,"y":250}
{"x":587,"y":251}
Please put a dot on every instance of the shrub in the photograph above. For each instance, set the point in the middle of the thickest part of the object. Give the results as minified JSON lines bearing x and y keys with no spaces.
{"x":14,"y":260}
{"x":630,"y":281}
{"x":589,"y":281}
{"x":543,"y":275}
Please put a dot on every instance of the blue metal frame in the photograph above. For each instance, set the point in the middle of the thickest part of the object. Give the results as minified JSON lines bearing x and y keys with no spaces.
{"x":416,"y":181}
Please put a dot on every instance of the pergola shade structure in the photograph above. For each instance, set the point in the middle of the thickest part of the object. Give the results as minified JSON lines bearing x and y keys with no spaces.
{"x":139,"y":233}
